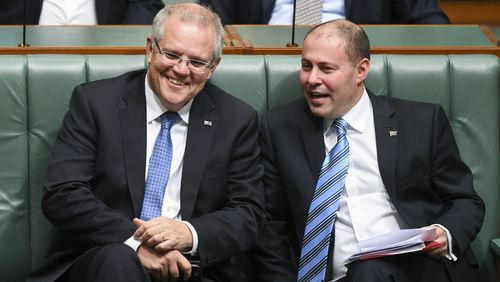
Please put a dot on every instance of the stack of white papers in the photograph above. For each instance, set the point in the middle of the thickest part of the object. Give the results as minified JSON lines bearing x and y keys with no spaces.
{"x":393,"y":243}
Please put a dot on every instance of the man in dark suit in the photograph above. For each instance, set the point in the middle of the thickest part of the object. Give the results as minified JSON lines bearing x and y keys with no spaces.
{"x":358,"y":11}
{"x":94,"y":193}
{"x":402,"y":170}
{"x":108,"y":11}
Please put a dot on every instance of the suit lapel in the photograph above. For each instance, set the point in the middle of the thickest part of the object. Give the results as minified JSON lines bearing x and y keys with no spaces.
{"x":312,"y":135}
{"x":201,"y":131}
{"x":132,"y":111}
{"x":386,"y":135}
{"x":311,"y":128}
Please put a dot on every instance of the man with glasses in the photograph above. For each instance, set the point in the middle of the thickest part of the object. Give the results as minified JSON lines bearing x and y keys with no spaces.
{"x":156,"y":169}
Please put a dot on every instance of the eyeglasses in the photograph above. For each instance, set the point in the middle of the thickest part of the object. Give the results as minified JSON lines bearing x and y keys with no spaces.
{"x":173,"y":59}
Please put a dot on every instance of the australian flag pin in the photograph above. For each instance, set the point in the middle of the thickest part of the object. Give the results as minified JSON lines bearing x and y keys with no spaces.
{"x":207,"y":123}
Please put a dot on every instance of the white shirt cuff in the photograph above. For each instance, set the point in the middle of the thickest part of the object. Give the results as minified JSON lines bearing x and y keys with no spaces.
{"x":133,"y":243}
{"x":194,"y":250}
{"x":450,"y":256}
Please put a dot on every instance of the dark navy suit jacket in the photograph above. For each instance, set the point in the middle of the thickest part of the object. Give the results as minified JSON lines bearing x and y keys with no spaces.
{"x":95,"y":179}
{"x":420,"y":167}
{"x":357,"y":11}
{"x":108,"y":11}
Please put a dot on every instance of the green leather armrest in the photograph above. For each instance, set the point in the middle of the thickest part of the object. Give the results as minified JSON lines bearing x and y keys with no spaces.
{"x":495,"y":247}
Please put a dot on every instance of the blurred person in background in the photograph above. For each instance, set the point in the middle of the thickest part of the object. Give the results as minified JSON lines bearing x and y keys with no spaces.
{"x":357,"y":11}
{"x":79,"y":12}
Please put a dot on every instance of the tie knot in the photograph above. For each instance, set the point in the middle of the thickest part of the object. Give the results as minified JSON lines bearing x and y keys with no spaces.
{"x":340,"y":126}
{"x":168,"y":119}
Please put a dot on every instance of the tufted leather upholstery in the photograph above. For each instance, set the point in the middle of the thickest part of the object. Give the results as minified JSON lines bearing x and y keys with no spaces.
{"x":35,"y":90}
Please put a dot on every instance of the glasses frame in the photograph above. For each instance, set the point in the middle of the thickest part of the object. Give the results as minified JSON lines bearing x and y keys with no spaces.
{"x":174,"y":59}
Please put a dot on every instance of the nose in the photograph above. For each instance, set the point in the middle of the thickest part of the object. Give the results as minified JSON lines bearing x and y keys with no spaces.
{"x":182,"y":67}
{"x":314,"y":77}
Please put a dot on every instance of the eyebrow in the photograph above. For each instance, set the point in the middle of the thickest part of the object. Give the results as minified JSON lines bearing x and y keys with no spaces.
{"x":197,"y":58}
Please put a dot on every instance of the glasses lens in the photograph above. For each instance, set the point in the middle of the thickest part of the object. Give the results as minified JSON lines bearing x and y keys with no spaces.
{"x":198,"y":66}
{"x":174,"y":59}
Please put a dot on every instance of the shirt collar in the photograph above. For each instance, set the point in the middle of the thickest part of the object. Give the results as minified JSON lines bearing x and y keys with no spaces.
{"x":154,"y":107}
{"x":357,"y":118}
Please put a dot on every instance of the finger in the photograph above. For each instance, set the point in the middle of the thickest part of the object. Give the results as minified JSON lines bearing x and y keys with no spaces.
{"x":165,"y":275}
{"x":138,"y":233}
{"x":441,"y":252}
{"x":434,"y":245}
{"x":438,"y":252}
{"x":141,"y":227}
{"x":431,"y":247}
{"x":164,"y":246}
{"x":148,"y":230}
{"x":173,"y":272}
{"x":156,"y":240}
{"x":138,"y":222}
{"x":185,"y":267}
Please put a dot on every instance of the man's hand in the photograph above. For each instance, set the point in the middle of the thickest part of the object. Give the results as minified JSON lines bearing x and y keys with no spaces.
{"x":164,"y":266}
{"x":441,"y":248}
{"x":164,"y":234}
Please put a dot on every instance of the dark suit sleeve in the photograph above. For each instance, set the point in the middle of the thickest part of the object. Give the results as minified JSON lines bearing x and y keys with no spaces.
{"x":12,"y":11}
{"x":395,"y":12}
{"x":434,"y":185}
{"x":239,"y":11}
{"x":127,"y":11}
{"x":226,"y":9}
{"x":68,"y":199}
{"x":141,"y":11}
{"x":273,"y":255}
{"x":463,"y":210}
{"x":425,"y":12}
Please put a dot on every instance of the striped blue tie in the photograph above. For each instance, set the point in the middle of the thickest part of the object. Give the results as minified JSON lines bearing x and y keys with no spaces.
{"x":159,"y":168}
{"x":323,"y":209}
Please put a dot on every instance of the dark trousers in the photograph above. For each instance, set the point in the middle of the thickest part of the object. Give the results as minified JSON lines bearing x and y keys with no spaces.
{"x":413,"y":267}
{"x":116,"y":262}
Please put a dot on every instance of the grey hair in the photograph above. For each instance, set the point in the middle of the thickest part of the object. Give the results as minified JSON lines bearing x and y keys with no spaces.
{"x":190,"y":13}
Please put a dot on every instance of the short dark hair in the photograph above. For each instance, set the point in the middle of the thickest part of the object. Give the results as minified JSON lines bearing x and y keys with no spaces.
{"x":357,"y":42}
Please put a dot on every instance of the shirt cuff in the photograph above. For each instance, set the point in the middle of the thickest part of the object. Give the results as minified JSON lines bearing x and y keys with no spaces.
{"x":450,"y":255}
{"x":133,"y":243}
{"x":194,"y":250}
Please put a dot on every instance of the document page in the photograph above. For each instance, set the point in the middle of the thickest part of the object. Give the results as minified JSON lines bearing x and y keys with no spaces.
{"x":393,"y":243}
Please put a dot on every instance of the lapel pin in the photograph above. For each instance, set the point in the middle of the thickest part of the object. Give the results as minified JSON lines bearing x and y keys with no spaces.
{"x":393,"y":133}
{"x":207,"y":123}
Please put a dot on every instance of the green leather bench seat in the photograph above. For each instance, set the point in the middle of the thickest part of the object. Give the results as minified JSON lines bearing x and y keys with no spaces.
{"x":35,"y":91}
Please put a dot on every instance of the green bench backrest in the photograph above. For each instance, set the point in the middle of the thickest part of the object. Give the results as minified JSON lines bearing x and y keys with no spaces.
{"x":35,"y":90}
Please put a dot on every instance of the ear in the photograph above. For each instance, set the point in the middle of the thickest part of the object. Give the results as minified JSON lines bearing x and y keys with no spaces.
{"x":363,"y":67}
{"x":149,"y":49}
{"x":213,"y":67}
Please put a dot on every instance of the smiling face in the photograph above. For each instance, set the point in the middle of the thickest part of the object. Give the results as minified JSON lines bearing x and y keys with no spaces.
{"x":175,"y":85}
{"x":332,"y":83}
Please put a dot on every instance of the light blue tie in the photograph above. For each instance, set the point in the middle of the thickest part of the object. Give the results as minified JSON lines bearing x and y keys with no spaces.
{"x":323,"y":209}
{"x":159,"y":168}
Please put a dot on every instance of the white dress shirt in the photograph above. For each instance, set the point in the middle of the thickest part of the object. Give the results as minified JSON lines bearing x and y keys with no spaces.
{"x":68,"y":12}
{"x":172,"y":198}
{"x":365,"y":209}
{"x":283,"y":11}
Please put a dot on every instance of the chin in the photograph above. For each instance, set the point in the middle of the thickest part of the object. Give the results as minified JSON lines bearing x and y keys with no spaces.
{"x":319,"y":111}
